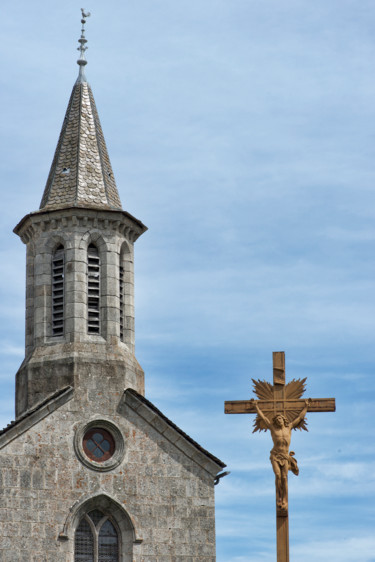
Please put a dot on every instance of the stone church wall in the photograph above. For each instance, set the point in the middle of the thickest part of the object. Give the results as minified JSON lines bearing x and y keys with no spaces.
{"x":167,"y":495}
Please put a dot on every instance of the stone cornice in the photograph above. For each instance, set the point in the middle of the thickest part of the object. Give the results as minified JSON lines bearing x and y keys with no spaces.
{"x":72,"y":217}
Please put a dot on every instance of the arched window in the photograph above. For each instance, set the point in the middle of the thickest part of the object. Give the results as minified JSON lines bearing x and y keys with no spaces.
{"x":126,"y":296}
{"x":96,"y":539}
{"x":58,"y":263}
{"x":93,"y":290}
{"x":122,"y":297}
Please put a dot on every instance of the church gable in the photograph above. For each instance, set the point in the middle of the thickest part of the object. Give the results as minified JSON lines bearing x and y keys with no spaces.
{"x":34,"y":416}
{"x":157,"y":496}
{"x":153,"y":418}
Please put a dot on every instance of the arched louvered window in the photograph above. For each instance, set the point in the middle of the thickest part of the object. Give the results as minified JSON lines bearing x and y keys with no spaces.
{"x":58,"y":263}
{"x":93,"y":290}
{"x":122,"y":299}
{"x":96,"y":539}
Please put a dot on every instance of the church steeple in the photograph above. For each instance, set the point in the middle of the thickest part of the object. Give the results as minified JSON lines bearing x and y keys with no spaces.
{"x":81,"y":174}
{"x":96,"y":468}
{"x":80,"y":272}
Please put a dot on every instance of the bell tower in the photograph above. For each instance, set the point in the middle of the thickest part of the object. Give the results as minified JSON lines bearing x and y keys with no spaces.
{"x":79,"y":271}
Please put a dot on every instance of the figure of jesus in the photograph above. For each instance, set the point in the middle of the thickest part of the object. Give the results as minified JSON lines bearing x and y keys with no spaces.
{"x":281,"y":459}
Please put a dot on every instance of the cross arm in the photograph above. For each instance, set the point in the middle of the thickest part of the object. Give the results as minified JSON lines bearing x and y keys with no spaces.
{"x":248,"y":407}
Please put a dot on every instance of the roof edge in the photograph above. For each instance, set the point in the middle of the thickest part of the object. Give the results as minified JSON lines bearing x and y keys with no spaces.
{"x":33,"y":416}
{"x":150,"y":413}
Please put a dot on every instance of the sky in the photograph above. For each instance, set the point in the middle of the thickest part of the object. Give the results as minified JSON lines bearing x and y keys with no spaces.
{"x":242,"y":134}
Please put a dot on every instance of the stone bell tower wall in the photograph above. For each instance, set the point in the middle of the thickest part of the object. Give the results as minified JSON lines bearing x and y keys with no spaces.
{"x":51,"y":361}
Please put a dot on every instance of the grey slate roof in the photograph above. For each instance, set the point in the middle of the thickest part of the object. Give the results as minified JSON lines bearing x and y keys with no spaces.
{"x":81,"y":174}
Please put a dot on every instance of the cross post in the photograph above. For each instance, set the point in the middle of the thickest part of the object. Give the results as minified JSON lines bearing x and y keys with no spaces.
{"x":279,"y":410}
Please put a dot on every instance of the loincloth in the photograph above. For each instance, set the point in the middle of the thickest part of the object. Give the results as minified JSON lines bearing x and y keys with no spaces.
{"x":285,"y":459}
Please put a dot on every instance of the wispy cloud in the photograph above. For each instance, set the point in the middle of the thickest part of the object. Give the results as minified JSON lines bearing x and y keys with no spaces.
{"x":241,"y":133}
{"x":343,"y":549}
{"x":8,"y":348}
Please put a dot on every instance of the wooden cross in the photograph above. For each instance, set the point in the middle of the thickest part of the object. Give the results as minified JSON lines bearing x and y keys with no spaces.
{"x":280,"y":409}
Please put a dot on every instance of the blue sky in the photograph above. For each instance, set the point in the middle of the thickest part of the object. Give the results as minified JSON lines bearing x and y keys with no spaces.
{"x":242,"y":134}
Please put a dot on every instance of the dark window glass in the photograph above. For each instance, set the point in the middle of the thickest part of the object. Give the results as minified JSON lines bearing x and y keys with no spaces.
{"x":108,"y":543}
{"x":98,"y":444}
{"x":84,"y":543}
{"x":96,"y":516}
{"x":98,"y":541}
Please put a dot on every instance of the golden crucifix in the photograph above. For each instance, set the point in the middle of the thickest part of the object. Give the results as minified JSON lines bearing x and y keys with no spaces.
{"x":279,"y":410}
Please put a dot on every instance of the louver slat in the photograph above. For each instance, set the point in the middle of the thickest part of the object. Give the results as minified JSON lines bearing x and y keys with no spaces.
{"x":121,"y":303}
{"x":93,"y":290}
{"x":58,"y":292}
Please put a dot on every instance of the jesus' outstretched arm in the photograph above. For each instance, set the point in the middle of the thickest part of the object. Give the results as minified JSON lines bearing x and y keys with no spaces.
{"x":260,"y":414}
{"x":302,"y":414}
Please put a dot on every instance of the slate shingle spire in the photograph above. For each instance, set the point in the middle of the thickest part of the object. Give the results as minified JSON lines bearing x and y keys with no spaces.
{"x":81,"y":174}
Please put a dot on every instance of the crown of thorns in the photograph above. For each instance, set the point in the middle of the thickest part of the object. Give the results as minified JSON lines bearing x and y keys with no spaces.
{"x":286,"y":423}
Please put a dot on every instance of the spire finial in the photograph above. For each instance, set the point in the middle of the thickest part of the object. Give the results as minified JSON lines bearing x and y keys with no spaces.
{"x":82,"y":48}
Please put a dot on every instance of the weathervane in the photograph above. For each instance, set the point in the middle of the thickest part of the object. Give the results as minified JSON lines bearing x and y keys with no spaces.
{"x":82,"y":40}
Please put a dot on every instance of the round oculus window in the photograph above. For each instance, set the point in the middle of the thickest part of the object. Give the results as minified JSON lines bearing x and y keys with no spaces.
{"x":98,"y":444}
